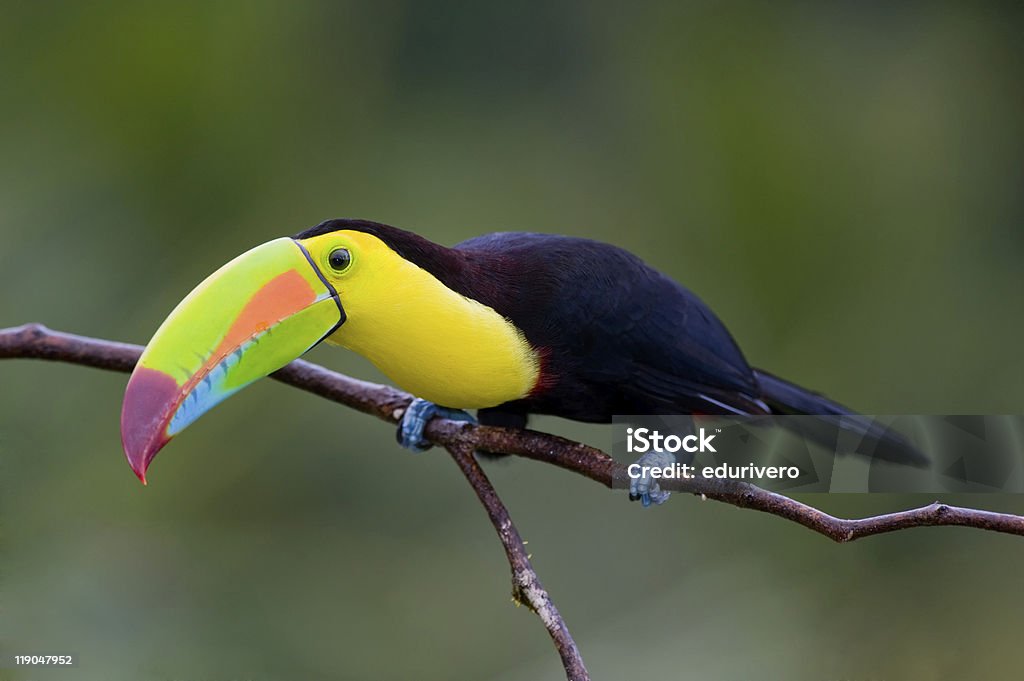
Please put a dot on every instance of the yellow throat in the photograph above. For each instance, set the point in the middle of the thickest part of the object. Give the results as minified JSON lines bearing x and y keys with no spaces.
{"x":431,"y":341}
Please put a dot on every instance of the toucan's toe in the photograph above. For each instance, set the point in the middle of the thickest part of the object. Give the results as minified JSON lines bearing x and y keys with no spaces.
{"x":414,"y":422}
{"x":645,"y":487}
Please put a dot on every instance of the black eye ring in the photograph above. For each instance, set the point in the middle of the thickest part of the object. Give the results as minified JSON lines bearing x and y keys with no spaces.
{"x":339,"y":259}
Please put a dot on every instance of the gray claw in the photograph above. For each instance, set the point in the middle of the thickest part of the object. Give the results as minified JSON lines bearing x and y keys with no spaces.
{"x":415,"y":419}
{"x":646,"y":488}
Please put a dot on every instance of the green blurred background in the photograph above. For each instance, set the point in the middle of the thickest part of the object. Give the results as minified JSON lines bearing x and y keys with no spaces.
{"x":842,"y":183}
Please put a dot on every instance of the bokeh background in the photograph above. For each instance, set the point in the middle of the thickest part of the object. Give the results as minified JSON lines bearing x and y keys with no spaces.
{"x":841,"y":182}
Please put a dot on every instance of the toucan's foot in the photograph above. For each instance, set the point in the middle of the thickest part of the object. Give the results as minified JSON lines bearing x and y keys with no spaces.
{"x":646,"y":488}
{"x":414,"y":421}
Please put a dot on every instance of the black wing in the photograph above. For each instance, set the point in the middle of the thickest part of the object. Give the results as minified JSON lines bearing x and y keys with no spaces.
{"x":618,"y":336}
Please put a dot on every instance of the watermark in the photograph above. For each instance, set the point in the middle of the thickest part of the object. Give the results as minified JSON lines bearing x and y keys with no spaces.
{"x":643,"y":440}
{"x":38,"y":659}
{"x":833,"y":453}
{"x":682,"y":471}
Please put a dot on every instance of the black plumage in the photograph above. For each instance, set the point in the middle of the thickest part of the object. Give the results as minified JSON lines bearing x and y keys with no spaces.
{"x":615,"y":336}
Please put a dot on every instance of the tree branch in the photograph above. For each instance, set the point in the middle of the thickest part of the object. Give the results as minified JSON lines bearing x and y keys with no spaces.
{"x":37,"y":342}
{"x":526,"y":586}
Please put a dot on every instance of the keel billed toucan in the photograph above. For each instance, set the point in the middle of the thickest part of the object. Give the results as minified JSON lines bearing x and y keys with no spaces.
{"x":509,"y":324}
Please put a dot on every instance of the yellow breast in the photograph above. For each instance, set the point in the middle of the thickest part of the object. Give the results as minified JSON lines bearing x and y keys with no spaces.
{"x":431,"y":341}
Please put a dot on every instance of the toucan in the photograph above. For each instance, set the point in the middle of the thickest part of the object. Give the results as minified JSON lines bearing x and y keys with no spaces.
{"x":507,"y":324}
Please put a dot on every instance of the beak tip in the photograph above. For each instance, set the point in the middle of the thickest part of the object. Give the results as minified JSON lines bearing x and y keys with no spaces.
{"x":138,"y":467}
{"x":143,"y":417}
{"x":139,"y":460}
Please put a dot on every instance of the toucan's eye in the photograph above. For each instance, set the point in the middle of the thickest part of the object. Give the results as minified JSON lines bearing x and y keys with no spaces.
{"x":340,"y":259}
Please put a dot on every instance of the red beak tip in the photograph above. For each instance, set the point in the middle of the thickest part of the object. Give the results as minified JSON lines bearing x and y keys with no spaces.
{"x":139,"y":463}
{"x":147,"y":401}
{"x":138,"y":470}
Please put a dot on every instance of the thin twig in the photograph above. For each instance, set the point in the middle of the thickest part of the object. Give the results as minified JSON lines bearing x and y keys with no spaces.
{"x":38,"y":342}
{"x":526,"y":586}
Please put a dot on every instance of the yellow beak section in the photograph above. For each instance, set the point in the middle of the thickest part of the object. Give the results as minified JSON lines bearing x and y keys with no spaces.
{"x":246,"y":320}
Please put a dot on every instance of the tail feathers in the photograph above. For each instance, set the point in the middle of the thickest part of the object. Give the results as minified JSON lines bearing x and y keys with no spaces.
{"x":877,"y":440}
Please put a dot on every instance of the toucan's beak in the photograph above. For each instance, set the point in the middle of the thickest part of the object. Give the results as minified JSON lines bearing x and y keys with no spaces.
{"x":246,"y":320}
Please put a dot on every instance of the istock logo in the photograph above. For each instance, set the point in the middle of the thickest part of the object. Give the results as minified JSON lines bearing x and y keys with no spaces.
{"x":645,"y":440}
